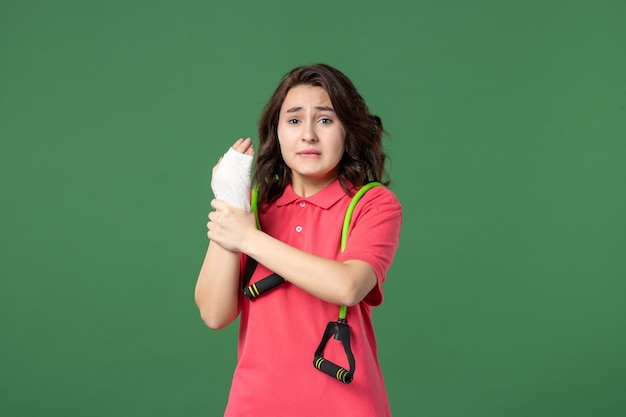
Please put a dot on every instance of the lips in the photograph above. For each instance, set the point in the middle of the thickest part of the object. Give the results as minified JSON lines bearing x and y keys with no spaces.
{"x":309,"y":152}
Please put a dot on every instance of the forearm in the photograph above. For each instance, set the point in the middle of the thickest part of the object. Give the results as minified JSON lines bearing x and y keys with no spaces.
{"x":217,"y":289}
{"x":332,"y":281}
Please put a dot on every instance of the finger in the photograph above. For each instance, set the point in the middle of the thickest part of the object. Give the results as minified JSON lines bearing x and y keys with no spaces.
{"x":243,"y":145}
{"x":240,"y":145}
{"x":250,"y":150}
{"x":246,"y":145}
{"x":212,"y":228}
{"x":219,"y":204}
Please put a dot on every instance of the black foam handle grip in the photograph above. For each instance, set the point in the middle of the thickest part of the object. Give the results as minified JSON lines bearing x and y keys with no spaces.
{"x":335,"y":371}
{"x":262,"y":286}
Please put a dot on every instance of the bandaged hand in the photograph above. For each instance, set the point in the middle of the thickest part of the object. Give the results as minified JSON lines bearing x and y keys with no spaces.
{"x":231,"y":179}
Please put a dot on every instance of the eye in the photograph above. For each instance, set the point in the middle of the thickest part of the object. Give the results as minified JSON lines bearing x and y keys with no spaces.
{"x":325,"y":120}
{"x":293,"y":121}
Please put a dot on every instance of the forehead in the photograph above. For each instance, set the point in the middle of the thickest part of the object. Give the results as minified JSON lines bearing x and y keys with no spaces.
{"x":306,"y":95}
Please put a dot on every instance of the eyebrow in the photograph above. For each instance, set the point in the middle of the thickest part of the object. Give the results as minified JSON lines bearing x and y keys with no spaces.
{"x":322,"y":108}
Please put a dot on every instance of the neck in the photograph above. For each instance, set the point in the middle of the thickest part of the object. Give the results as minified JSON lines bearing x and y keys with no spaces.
{"x":306,"y":187}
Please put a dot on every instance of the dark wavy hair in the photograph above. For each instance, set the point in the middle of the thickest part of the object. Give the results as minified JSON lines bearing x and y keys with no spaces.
{"x":363,"y":159}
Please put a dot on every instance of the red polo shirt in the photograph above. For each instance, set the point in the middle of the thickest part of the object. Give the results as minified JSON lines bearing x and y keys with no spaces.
{"x":280,"y":330}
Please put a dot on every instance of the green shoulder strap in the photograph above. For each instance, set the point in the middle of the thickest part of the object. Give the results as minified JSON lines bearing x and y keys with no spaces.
{"x":346,"y":227}
{"x":346,"y":221}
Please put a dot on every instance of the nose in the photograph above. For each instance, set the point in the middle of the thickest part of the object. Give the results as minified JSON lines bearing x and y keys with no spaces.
{"x":308,"y":132}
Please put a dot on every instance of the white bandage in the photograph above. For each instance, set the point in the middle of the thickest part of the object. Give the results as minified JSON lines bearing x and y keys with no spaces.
{"x":231,"y":180}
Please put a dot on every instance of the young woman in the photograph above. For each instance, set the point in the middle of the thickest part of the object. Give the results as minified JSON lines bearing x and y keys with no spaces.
{"x":319,"y":145}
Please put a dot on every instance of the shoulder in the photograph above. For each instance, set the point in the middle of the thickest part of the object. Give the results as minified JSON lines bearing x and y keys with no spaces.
{"x":379,"y":202}
{"x":380,"y":195}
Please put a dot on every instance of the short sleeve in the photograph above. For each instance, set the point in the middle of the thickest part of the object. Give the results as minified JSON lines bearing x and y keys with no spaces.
{"x":374,"y":235}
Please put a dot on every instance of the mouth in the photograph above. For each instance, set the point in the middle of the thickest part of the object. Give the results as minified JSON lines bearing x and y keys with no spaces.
{"x":309,"y":152}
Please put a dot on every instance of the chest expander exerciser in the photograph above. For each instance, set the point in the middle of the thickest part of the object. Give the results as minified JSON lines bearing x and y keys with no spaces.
{"x":339,"y":329}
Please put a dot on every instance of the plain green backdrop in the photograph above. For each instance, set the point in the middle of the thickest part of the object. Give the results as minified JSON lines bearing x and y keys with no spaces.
{"x":507,"y":130}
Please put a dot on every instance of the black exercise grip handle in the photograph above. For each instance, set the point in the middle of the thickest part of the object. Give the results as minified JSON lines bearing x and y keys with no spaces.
{"x":262,"y":286}
{"x":333,"y":370}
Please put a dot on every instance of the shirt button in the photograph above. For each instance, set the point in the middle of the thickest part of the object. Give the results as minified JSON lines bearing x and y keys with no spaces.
{"x":298,"y":229}
{"x":302,"y":204}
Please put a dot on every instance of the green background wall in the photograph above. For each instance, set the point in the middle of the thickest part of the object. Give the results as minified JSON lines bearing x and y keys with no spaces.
{"x":507,"y":139}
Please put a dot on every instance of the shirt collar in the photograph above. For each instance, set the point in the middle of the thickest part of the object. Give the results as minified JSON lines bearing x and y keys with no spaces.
{"x":324,"y":198}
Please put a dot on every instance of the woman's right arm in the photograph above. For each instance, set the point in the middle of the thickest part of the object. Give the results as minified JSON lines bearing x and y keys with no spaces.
{"x":217,"y":290}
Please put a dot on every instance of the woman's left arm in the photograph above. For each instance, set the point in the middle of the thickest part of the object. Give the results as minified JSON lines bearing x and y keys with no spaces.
{"x":341,"y":283}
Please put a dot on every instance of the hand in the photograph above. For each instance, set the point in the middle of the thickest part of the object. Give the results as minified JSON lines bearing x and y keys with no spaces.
{"x":231,"y":179}
{"x":230,"y":227}
{"x":243,"y":146}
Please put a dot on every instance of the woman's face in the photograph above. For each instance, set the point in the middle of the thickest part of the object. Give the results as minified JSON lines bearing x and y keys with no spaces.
{"x":311,"y":138}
